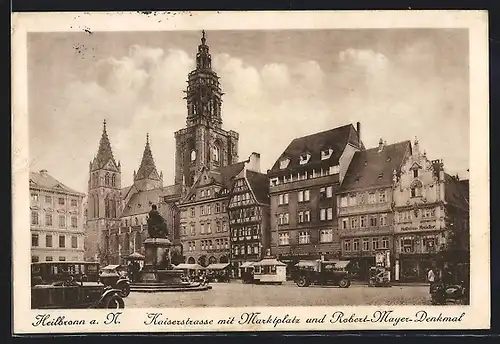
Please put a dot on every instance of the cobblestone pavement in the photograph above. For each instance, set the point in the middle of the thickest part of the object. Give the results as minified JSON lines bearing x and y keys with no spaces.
{"x":236,"y":294}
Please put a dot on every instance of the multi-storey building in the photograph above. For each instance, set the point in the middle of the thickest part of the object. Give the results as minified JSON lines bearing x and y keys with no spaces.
{"x":57,"y":220}
{"x":431,"y":216}
{"x":204,"y":219}
{"x":302,"y":187}
{"x":365,"y":204}
{"x":249,"y":214}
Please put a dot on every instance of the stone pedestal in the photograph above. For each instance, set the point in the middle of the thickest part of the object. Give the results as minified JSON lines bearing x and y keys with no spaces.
{"x":158,"y":273}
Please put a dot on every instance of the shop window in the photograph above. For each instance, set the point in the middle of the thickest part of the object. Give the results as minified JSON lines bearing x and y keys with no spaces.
{"x":407,"y":245}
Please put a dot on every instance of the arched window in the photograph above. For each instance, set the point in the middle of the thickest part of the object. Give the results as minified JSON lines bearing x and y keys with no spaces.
{"x":107,"y":207}
{"x":193,"y":155}
{"x":113,"y":180}
{"x":113,"y":208}
{"x":136,"y":221}
{"x":95,"y":179}
{"x":96,"y":206}
{"x":106,"y":179}
{"x":416,"y":188}
{"x":216,"y":153}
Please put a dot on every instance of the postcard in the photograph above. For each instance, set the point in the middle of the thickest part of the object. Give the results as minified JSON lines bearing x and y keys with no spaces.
{"x":250,"y":171}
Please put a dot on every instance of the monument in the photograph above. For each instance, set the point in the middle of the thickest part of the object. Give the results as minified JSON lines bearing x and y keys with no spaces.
{"x":158,"y":273}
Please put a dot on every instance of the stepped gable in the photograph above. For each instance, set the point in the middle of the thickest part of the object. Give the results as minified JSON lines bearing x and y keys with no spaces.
{"x":374,"y":167}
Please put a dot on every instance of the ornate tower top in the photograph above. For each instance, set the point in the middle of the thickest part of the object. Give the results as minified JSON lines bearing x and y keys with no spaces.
{"x":147,"y":169}
{"x":203,"y":94}
{"x":104,"y":153}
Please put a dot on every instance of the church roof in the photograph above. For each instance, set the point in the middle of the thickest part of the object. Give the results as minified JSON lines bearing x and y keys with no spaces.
{"x":259,"y":184}
{"x":104,"y":153}
{"x":147,"y":169}
{"x":45,"y":181}
{"x":140,"y":202}
{"x":336,"y":139}
{"x":374,"y":168}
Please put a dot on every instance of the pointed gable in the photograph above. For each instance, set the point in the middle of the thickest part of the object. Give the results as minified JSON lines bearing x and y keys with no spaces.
{"x":104,"y":153}
{"x":147,"y":169}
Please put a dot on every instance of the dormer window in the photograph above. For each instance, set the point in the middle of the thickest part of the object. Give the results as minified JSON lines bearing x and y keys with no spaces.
{"x":304,"y":158}
{"x":284,"y":163}
{"x":326,"y":153}
{"x":334,"y":169}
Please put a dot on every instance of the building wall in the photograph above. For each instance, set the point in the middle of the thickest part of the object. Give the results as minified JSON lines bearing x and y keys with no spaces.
{"x":314,"y":248}
{"x":202,"y":247}
{"x":365,"y":216}
{"x":45,"y":204}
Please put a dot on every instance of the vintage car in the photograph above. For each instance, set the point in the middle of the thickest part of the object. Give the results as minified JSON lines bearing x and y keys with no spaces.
{"x":320,"y":272}
{"x":115,"y":276}
{"x":66,"y":285}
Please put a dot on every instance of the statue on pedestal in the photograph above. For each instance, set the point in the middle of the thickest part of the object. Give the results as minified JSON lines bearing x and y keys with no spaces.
{"x":157,"y":227}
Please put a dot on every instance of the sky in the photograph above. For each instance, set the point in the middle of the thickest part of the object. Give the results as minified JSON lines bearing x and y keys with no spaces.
{"x":279,"y":85}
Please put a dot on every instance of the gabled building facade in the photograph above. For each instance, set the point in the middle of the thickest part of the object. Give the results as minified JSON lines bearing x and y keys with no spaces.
{"x":249,"y":210}
{"x":204,"y":221}
{"x":365,"y":204}
{"x":431,"y":216}
{"x":302,"y":187}
{"x":57,"y":220}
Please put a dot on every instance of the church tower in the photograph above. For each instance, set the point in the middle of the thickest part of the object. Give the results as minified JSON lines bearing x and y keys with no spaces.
{"x":103,"y":204}
{"x":147,"y":177}
{"x":203,"y":143}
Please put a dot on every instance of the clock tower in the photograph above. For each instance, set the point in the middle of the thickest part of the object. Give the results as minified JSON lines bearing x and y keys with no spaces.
{"x":203,"y":142}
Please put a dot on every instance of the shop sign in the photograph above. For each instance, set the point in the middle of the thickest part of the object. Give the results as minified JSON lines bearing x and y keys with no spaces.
{"x":421,"y":227}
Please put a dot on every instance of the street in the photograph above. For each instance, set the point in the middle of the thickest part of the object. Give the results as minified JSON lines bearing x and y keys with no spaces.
{"x":236,"y":294}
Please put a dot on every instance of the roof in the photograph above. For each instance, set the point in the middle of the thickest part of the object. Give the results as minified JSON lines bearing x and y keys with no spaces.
{"x":259,"y":185}
{"x":189,"y":266}
{"x":371,"y":168}
{"x":339,"y":264}
{"x":135,"y":255}
{"x":336,"y":139}
{"x":268,"y":262}
{"x":147,"y":169}
{"x":456,"y":192}
{"x":45,"y":181}
{"x":104,"y":153}
{"x":124,"y":191}
{"x":247,"y":265}
{"x":140,"y":202}
{"x":111,"y":267}
{"x":218,"y":266}
{"x":225,"y":174}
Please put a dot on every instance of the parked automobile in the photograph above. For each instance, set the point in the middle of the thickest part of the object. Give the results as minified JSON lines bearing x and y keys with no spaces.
{"x":116,"y":277}
{"x":218,"y":272}
{"x":449,"y":294}
{"x":321,"y":272}
{"x":54,"y":286}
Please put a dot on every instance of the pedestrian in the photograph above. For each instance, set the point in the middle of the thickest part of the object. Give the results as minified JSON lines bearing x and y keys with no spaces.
{"x":431,"y":277}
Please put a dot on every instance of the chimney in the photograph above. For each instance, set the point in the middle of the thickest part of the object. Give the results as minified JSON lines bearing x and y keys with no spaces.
{"x":381,"y":145}
{"x":358,"y":129}
{"x":44,"y":173}
{"x":253,"y":163}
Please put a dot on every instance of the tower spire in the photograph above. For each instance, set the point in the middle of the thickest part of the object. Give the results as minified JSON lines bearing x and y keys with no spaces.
{"x":104,"y":153}
{"x":147,"y":169}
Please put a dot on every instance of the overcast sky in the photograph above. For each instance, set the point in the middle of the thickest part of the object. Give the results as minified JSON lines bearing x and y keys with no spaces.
{"x":278,"y":85}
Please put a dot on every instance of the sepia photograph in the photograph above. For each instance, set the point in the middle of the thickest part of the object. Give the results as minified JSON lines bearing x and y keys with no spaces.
{"x":241,"y":167}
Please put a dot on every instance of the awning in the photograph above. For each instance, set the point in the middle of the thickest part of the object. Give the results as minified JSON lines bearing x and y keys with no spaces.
{"x":247,"y":265}
{"x":134,"y":256}
{"x":306,"y":264}
{"x":339,"y":264}
{"x":218,"y":266}
{"x":189,"y":266}
{"x":111,"y":267}
{"x":269,"y":262}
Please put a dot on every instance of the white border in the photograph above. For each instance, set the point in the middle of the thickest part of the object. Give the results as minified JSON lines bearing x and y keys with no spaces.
{"x":477,"y":315}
